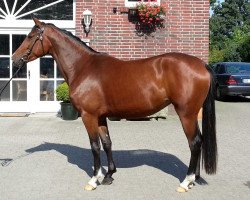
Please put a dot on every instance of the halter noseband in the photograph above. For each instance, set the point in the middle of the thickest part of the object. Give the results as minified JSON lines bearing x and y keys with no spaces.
{"x":38,"y":37}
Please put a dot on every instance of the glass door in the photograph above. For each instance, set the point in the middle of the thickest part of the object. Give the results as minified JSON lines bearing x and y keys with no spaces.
{"x":45,"y":79}
{"x":15,"y":96}
{"x":50,"y":78}
{"x":32,"y":89}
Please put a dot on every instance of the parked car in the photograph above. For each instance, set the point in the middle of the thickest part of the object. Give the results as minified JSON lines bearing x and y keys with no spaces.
{"x":231,"y":79}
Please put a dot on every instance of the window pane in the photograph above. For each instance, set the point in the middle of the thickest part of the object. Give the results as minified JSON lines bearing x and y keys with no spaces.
{"x":19,"y":90}
{"x":4,"y":45}
{"x":58,"y":73}
{"x":59,"y":82}
{"x":46,"y":90}
{"x":5,"y":96}
{"x":10,"y":4}
{"x":22,"y":73}
{"x":61,"y":10}
{"x":4,"y":67}
{"x":2,"y":6}
{"x":17,"y":41}
{"x":46,"y":67}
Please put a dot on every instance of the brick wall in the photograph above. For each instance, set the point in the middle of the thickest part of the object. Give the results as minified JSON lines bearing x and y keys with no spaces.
{"x":186,"y":29}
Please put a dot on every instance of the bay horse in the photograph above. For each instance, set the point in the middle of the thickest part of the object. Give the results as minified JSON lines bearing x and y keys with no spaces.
{"x":102,"y":86}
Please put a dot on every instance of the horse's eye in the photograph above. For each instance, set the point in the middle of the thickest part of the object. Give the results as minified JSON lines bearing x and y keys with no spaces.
{"x":30,"y":36}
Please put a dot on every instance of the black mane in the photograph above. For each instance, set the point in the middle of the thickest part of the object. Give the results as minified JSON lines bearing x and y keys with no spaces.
{"x":77,"y":39}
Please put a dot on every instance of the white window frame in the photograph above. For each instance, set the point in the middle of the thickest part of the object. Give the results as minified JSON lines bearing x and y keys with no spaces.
{"x":10,"y":21}
{"x":133,"y":4}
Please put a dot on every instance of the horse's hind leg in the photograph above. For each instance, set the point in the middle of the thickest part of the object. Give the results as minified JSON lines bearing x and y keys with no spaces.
{"x":107,"y":144}
{"x":192,"y":131}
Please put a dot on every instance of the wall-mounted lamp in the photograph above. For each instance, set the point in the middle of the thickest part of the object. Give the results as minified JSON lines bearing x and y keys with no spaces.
{"x":87,"y":21}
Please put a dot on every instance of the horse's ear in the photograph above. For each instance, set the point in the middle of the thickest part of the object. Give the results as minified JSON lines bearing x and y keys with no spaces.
{"x":38,"y":23}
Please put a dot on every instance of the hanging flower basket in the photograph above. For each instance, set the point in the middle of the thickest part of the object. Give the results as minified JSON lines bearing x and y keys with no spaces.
{"x":150,"y":18}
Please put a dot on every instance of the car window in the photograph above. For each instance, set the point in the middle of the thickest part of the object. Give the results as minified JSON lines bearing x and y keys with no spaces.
{"x":238,"y":68}
{"x":233,"y":69}
{"x":221,"y":69}
{"x":215,"y":68}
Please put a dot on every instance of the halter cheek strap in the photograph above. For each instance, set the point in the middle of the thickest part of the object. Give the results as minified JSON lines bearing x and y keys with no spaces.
{"x":38,"y":37}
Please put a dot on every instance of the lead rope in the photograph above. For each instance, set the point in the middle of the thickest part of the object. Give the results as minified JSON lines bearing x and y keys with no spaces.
{"x":3,"y":88}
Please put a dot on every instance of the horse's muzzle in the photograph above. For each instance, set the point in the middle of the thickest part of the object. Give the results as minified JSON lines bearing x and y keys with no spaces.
{"x":19,"y":63}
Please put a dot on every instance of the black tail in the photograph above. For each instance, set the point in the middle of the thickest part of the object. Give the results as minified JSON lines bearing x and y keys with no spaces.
{"x":209,"y":146}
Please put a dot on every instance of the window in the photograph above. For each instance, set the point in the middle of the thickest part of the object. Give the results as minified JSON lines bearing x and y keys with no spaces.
{"x":17,"y":89}
{"x":16,"y":12}
{"x":50,"y":78}
{"x":221,"y":69}
{"x":133,"y":3}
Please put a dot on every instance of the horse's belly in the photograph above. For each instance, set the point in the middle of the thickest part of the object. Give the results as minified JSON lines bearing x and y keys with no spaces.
{"x":138,"y":106}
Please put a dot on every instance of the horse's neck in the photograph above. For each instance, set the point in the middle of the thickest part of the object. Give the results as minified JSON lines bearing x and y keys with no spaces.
{"x":67,"y":54}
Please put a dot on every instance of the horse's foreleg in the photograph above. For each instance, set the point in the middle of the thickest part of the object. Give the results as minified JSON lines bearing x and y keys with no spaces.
{"x":191,"y":129}
{"x":91,"y":124}
{"x":107,"y":146}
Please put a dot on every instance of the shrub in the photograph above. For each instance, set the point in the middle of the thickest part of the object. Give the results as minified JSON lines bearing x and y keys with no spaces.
{"x":62,"y":93}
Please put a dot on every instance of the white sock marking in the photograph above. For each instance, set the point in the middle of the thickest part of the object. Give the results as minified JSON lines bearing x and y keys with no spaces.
{"x":187,"y":181}
{"x":94,"y":179}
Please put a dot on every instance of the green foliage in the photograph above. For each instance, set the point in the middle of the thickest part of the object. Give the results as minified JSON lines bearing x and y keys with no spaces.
{"x":231,"y":53}
{"x":244,"y":49}
{"x":212,"y":2}
{"x":229,"y":31}
{"x":62,"y":93}
{"x":216,"y":55}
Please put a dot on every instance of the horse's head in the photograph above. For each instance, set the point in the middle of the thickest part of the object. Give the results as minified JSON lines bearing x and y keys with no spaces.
{"x":35,"y":45}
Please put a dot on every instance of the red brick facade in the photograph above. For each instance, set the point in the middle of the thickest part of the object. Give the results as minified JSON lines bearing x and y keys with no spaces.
{"x":186,"y":29}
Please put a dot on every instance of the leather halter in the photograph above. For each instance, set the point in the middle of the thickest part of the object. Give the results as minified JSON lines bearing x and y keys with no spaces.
{"x":39,"y":36}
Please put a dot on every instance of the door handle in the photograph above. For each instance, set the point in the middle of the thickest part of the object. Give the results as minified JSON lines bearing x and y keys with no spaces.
{"x":29,"y":74}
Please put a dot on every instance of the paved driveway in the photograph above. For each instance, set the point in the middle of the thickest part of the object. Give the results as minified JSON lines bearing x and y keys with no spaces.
{"x":43,"y":157}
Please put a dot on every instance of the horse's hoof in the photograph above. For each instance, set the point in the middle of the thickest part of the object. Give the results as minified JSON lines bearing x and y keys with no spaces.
{"x":107,"y":181}
{"x":181,"y":190}
{"x":197,"y":177}
{"x":89,"y":187}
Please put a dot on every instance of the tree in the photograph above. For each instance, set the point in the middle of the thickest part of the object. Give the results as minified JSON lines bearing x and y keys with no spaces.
{"x":212,"y":2}
{"x":229,"y":29}
{"x":244,"y":49}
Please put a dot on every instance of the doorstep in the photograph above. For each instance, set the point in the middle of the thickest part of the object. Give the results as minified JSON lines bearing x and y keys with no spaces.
{"x":13,"y":114}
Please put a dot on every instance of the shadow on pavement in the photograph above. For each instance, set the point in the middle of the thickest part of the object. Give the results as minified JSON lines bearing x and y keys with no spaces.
{"x":82,"y":157}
